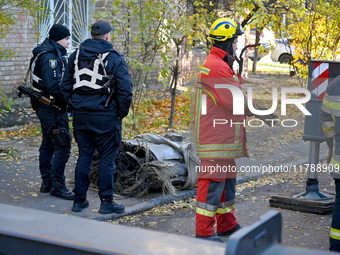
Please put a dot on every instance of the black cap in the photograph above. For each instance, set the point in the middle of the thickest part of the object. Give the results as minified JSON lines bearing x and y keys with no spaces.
{"x":101,"y":27}
{"x":58,"y":32}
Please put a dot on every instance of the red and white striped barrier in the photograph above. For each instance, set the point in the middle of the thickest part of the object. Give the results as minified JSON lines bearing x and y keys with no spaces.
{"x":319,"y":79}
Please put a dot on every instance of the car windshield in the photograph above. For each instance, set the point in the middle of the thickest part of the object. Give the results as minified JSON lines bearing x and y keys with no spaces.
{"x":283,"y":41}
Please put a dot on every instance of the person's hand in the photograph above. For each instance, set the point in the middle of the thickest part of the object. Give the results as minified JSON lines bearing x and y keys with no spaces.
{"x":60,"y":102}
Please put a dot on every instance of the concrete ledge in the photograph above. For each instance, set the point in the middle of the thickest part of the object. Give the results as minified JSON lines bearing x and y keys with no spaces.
{"x":144,"y":206}
{"x":28,"y":231}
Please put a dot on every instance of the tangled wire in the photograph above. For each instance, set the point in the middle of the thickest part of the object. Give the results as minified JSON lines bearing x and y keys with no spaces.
{"x":137,"y":174}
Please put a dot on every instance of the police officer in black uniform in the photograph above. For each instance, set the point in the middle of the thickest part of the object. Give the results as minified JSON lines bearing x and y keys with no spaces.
{"x":47,"y":66}
{"x":97,"y":126}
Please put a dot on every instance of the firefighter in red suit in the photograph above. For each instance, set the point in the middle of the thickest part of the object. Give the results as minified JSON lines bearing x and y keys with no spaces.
{"x":220,"y":134}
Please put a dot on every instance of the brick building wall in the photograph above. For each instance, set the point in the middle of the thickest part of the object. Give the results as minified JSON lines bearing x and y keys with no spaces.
{"x":13,"y":70}
{"x":189,"y":66}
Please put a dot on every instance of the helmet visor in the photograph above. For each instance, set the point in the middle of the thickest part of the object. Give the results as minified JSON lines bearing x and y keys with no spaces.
{"x":239,"y":30}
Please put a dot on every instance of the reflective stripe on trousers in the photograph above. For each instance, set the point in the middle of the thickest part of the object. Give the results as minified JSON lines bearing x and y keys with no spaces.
{"x":215,"y":199}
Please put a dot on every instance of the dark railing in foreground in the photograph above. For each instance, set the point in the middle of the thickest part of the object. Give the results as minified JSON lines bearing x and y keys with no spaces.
{"x":26,"y":231}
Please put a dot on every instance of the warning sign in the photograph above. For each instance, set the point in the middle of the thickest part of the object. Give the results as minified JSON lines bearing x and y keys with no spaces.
{"x":320,"y":74}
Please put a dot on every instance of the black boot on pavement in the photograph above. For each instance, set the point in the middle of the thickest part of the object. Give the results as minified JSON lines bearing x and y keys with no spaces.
{"x":211,"y":238}
{"x":109,"y":206}
{"x":79,"y":206}
{"x":228,"y":233}
{"x":45,"y":187}
{"x":59,"y":190}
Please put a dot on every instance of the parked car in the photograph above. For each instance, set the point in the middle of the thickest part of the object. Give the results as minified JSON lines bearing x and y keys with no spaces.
{"x":283,"y":52}
{"x":262,"y":51}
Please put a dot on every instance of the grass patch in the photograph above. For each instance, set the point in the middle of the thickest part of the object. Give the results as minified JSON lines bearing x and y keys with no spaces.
{"x":261,"y":70}
{"x":275,"y":64}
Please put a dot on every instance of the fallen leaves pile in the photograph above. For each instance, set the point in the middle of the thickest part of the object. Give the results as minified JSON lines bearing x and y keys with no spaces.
{"x":168,"y":209}
{"x":27,"y":132}
{"x":152,"y":117}
{"x":23,"y":132}
{"x":153,"y":114}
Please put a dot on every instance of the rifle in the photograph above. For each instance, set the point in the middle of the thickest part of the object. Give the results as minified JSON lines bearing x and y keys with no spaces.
{"x":35,"y":96}
{"x":109,"y":88}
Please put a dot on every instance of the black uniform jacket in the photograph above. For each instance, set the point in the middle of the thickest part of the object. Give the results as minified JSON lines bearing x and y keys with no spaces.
{"x":84,"y":99}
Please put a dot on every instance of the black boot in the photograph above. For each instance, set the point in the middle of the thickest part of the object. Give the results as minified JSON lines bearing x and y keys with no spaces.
{"x":109,"y":206}
{"x":230,"y":232}
{"x":60,"y":190}
{"x":78,"y":206}
{"x":45,"y":187}
{"x":211,"y":238}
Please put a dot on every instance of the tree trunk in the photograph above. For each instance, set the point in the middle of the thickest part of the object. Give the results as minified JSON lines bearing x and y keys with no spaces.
{"x":173,"y":88}
{"x":257,"y":40}
{"x":246,"y":61}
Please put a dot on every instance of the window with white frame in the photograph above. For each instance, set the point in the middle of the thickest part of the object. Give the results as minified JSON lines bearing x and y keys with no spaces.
{"x":75,"y":15}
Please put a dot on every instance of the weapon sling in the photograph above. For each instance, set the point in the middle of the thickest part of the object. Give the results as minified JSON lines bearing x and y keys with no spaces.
{"x":109,"y":82}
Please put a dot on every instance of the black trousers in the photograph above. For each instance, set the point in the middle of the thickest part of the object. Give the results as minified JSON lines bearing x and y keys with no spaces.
{"x":55,"y":148}
{"x":103,"y":133}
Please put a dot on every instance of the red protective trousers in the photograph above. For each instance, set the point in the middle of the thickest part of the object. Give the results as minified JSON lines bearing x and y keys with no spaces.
{"x":215,"y":201}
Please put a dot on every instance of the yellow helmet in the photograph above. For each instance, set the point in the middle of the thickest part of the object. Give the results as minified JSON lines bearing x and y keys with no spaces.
{"x":224,"y":28}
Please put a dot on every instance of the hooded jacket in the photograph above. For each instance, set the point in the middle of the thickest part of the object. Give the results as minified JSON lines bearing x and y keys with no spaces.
{"x":84,"y":78}
{"x":219,"y":134}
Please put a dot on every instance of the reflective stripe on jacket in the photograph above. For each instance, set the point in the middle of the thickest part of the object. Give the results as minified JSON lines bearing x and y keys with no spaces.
{"x":87,"y":72}
{"x":219,"y":134}
{"x":47,"y":67}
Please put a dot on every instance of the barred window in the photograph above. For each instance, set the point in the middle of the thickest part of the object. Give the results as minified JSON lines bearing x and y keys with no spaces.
{"x":74,"y":14}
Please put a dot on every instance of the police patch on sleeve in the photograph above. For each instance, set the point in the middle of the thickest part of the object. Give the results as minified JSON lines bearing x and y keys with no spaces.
{"x":53,"y":63}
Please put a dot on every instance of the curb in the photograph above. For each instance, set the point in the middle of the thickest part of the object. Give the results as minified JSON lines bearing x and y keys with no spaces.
{"x":9,"y":128}
{"x":144,"y":206}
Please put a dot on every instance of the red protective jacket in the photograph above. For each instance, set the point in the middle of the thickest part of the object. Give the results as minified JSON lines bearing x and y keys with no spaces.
{"x":219,"y":134}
